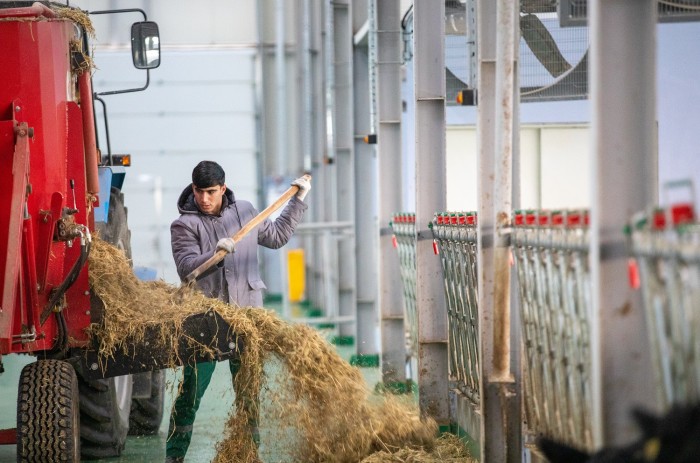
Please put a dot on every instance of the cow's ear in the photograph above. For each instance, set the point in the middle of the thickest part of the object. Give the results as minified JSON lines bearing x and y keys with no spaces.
{"x":561,"y":453}
{"x":648,"y":423}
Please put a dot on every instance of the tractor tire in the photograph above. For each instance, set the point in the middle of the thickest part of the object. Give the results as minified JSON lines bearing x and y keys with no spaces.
{"x":104,"y":416}
{"x":147,"y":413}
{"x":105,"y":403}
{"x":48,"y":421}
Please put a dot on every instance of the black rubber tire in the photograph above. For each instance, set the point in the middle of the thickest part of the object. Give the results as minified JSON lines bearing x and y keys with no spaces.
{"x":147,"y":414}
{"x":48,"y":421}
{"x":105,"y":403}
{"x":104,"y":416}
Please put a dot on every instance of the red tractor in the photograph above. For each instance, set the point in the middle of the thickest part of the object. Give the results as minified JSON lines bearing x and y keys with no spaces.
{"x":56,"y":190}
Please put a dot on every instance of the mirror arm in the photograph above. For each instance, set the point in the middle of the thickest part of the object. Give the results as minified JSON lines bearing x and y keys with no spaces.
{"x":148,"y":74}
{"x":128,"y":10}
{"x":129,"y":90}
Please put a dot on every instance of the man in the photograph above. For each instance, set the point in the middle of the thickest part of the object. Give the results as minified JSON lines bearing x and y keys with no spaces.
{"x":210,"y":216}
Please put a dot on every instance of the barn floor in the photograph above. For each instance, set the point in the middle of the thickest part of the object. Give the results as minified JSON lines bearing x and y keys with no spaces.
{"x":208,"y":428}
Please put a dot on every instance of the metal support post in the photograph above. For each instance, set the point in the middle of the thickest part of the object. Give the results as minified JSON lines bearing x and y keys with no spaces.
{"x":330,"y":191}
{"x":500,"y":419}
{"x":429,"y":68}
{"x":344,"y":155}
{"x":281,"y":87}
{"x":320,"y":198}
{"x":385,"y":38}
{"x":306,"y":77}
{"x":624,"y":179}
{"x":366,"y":193}
{"x":319,"y":209}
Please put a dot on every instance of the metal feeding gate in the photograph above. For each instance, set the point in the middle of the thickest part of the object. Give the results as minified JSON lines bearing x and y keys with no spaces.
{"x":551,"y":256}
{"x":404,"y":227}
{"x":455,"y":242}
{"x":666,"y":250}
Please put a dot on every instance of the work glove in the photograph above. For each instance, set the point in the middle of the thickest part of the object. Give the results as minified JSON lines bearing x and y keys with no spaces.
{"x":304,"y":187}
{"x":227,"y":244}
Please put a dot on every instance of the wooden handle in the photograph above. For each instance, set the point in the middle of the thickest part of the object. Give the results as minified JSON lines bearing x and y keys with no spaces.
{"x":257,"y":220}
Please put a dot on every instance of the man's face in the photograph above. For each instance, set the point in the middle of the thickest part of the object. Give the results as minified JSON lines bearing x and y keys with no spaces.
{"x":209,"y":199}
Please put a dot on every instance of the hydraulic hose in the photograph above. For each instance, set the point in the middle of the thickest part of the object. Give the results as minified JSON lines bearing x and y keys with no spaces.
{"x":60,"y":291}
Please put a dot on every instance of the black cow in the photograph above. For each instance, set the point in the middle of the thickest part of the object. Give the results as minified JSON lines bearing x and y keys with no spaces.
{"x":672,"y":438}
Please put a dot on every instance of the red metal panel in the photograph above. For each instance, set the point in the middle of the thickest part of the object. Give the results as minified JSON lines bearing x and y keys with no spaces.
{"x":78,"y":297}
{"x":37,"y":52}
{"x":8,"y":436}
{"x":13,"y":205}
{"x":6,"y":150}
{"x":31,"y":302}
{"x":46,"y":224}
{"x":36,"y":10}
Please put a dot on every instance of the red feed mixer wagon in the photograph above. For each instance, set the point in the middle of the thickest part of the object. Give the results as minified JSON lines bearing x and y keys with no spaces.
{"x":57,"y":189}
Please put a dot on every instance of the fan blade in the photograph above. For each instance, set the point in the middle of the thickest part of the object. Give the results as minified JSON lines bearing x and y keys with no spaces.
{"x":455,"y":18}
{"x":543,"y":45}
{"x":538,"y":6}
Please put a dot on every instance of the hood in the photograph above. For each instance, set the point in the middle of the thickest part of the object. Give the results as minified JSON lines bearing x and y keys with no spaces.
{"x":187,"y":205}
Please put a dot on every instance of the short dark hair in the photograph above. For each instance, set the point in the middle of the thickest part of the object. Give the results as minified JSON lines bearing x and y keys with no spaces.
{"x":207,"y":174}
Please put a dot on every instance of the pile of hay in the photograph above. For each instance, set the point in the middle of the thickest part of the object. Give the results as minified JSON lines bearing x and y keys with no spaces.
{"x":448,"y":449}
{"x":336,"y":416}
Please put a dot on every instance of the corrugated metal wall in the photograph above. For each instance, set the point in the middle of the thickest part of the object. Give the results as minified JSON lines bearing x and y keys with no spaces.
{"x":200,"y":105}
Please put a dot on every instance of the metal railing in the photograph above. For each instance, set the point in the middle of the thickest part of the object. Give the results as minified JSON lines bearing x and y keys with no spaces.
{"x":551,"y":256}
{"x":404,"y":228}
{"x":455,"y":242}
{"x":324,"y":238}
{"x":666,"y":250}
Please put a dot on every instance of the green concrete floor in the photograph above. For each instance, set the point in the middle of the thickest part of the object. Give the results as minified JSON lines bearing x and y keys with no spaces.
{"x":208,"y":428}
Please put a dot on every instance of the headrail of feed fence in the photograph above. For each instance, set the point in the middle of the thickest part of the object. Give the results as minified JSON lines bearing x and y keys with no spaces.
{"x":455,"y":236}
{"x":403,"y":226}
{"x":550,"y":251}
{"x":665,"y":265}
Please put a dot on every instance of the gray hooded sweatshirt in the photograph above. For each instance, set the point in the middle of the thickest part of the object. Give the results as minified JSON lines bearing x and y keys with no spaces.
{"x":194,"y":235}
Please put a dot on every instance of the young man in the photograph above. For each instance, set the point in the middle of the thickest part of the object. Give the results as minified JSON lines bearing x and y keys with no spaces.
{"x":210,"y":216}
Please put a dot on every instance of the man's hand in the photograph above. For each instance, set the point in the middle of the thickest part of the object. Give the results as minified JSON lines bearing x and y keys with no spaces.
{"x":304,"y":187}
{"x":227,"y":244}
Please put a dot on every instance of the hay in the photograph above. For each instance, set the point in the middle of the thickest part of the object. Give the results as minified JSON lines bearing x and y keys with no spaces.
{"x":76,"y":16}
{"x":448,"y":449}
{"x":327,"y":401}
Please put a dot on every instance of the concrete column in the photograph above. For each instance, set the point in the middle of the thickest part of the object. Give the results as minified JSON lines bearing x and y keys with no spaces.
{"x":623,"y":96}
{"x":429,"y":69}
{"x":366,"y":194}
{"x":497,"y":134}
{"x":345,"y":160}
{"x":385,"y":39}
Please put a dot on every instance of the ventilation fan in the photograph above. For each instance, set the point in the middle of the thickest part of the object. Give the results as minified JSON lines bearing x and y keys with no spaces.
{"x":574,"y":12}
{"x":553,"y":59}
{"x":539,"y":39}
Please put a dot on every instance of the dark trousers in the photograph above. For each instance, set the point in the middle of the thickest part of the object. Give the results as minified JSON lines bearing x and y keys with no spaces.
{"x":194,"y":383}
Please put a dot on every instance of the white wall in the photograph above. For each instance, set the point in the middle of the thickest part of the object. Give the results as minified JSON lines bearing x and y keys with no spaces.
{"x":200,"y":106}
{"x":554,"y":169}
{"x":181,"y":22}
{"x":678,"y":94}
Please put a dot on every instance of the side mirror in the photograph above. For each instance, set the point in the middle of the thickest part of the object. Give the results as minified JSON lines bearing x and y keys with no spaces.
{"x":145,"y":45}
